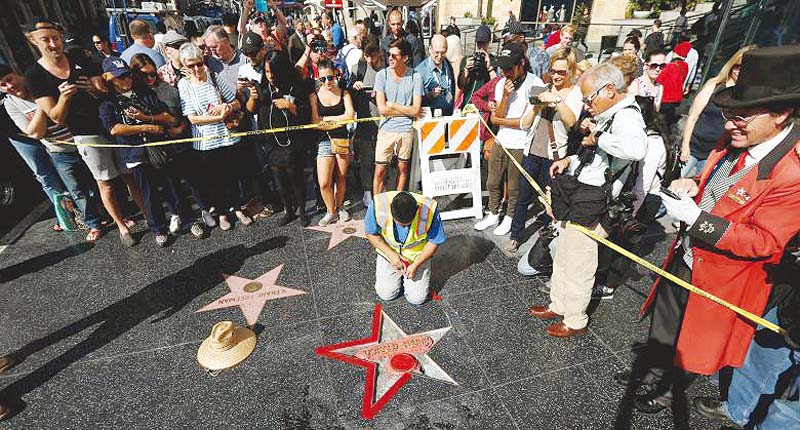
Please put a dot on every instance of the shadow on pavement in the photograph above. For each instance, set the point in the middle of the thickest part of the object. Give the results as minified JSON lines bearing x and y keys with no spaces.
{"x":164,"y":298}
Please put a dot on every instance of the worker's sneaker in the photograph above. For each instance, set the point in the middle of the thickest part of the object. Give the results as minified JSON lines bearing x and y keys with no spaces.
{"x":490,"y":220}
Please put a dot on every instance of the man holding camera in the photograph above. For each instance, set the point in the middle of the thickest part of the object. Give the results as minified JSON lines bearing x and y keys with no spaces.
{"x":438,"y":82}
{"x":616,"y":140}
{"x":511,"y":93}
{"x":477,"y":69}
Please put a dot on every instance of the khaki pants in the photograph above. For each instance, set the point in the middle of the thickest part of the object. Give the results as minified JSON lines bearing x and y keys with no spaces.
{"x":574,"y":266}
{"x":389,"y":284}
{"x":500,"y":164}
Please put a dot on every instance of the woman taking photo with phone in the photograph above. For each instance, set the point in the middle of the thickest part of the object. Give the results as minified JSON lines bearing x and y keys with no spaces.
{"x":180,"y":167}
{"x":331,"y":103}
{"x":284,"y":100}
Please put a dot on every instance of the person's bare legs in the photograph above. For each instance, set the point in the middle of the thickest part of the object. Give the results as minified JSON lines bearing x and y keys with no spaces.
{"x":325,"y":168}
{"x":112,"y":205}
{"x":402,"y":175}
{"x":342,"y":165}
{"x":5,"y":364}
{"x":377,"y":181}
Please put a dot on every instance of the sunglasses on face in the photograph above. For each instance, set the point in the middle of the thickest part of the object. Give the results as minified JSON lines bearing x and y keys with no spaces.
{"x":324,"y":79}
{"x":656,"y":66}
{"x":195,"y":65}
{"x":98,"y":42}
{"x":739,"y":120}
{"x":590,"y":99}
{"x":558,"y":72}
{"x":396,"y":56}
{"x":151,"y":75}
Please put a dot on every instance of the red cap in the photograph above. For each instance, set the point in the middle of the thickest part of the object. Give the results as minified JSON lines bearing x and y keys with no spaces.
{"x":682,"y":49}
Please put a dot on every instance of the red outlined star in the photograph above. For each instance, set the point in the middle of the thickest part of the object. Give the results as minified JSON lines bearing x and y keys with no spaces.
{"x":252,"y":295}
{"x":340,"y":231}
{"x":390,"y":357}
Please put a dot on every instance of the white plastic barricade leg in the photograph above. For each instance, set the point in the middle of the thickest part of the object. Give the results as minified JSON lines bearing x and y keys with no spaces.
{"x":451,"y":135}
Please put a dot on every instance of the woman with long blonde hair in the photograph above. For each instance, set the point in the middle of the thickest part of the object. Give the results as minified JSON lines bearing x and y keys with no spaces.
{"x":547,"y":120}
{"x":705,"y":125}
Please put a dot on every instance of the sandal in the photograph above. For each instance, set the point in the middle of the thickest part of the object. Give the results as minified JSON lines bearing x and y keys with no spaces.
{"x":94,"y":235}
{"x":129,"y":223}
{"x":57,"y":227}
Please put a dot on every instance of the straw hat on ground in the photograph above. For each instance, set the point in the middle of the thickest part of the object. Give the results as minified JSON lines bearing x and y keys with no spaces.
{"x":227,"y":346}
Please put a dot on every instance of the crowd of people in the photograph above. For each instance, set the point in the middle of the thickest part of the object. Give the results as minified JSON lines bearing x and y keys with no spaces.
{"x":598,"y":138}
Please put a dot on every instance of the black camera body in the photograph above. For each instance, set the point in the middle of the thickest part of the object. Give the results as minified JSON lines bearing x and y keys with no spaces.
{"x":533,"y":96}
{"x":478,"y":64}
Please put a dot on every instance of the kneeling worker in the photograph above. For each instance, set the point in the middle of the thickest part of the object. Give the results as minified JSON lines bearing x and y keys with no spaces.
{"x":405,"y":229}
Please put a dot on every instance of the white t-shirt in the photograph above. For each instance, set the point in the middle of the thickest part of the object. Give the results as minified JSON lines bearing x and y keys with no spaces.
{"x":514,"y":138}
{"x":352,"y":55}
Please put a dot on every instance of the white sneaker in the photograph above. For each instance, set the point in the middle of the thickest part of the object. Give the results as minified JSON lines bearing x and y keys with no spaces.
{"x":208,"y":219}
{"x":174,"y":224}
{"x":490,"y":220}
{"x":367,"y":198}
{"x":344,"y":216}
{"x":504,"y":228}
{"x":328,"y":219}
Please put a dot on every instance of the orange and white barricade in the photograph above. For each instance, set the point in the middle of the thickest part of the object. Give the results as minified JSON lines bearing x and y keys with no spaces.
{"x":451,"y":135}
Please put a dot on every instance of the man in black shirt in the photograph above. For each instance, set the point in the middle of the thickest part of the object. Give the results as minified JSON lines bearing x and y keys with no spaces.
{"x":69,"y":93}
{"x":102,"y":50}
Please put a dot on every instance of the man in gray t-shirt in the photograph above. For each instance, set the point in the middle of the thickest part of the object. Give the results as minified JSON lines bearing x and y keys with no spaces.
{"x":398,"y":93}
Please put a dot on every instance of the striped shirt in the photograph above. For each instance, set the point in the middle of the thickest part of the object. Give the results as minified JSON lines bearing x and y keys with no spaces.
{"x":199,"y":99}
{"x":22,"y":111}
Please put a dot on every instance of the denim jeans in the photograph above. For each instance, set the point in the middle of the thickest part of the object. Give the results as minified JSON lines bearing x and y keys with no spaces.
{"x":78,"y":181}
{"x":38,"y":160}
{"x":539,"y":169}
{"x":769,"y":362}
{"x":692,"y":167}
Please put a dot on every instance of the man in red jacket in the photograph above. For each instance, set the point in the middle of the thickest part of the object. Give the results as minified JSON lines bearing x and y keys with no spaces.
{"x":736,"y":222}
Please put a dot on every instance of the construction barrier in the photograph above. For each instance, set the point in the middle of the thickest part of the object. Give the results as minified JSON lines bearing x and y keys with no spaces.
{"x":451,"y":135}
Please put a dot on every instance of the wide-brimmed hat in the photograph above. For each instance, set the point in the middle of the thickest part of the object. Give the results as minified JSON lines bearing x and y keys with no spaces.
{"x":227,"y":346}
{"x":768,"y":76}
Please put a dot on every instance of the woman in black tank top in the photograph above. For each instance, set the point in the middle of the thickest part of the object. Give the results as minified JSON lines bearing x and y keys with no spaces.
{"x":331,"y":103}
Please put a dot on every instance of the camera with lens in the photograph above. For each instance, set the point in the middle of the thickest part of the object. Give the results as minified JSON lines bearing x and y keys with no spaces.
{"x":533,"y":95}
{"x":478,"y":64}
{"x":620,"y":213}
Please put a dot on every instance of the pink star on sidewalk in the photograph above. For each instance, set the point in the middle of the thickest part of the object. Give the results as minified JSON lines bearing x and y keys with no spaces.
{"x":342,"y":230}
{"x":252,"y":295}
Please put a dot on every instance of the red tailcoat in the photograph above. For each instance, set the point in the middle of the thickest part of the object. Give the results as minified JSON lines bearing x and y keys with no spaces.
{"x":736,"y":248}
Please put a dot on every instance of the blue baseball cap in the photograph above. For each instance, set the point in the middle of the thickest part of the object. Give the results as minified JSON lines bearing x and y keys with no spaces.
{"x":116,"y":66}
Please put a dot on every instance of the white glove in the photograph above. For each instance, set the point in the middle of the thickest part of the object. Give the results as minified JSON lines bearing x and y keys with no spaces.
{"x":683,"y":209}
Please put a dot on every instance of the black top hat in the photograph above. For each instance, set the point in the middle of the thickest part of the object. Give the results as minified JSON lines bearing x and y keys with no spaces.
{"x":768,"y":77}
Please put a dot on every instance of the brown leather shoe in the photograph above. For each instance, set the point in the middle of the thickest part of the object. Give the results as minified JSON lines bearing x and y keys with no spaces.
{"x":5,"y":412}
{"x":561,"y":330}
{"x":542,"y":312}
{"x":6,"y":363}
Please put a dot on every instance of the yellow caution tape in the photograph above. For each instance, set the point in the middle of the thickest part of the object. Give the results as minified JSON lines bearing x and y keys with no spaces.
{"x":227,"y":136}
{"x":545,"y":199}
